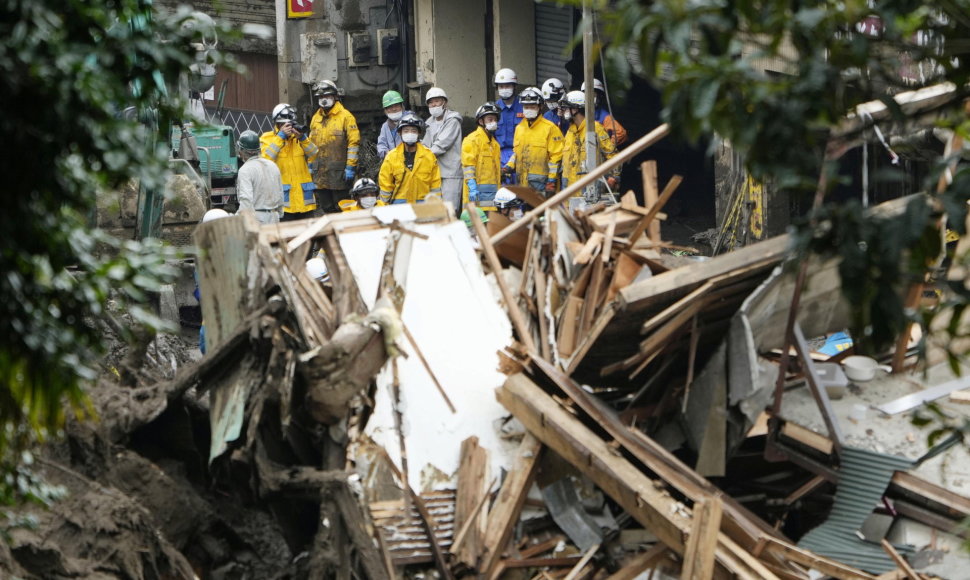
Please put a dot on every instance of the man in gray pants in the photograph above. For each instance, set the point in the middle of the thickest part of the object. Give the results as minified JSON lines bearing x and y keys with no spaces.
{"x":443,"y":137}
{"x":259,"y":186}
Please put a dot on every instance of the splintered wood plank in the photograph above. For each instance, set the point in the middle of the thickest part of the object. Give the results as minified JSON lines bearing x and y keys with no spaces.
{"x":586,"y":254}
{"x":567,"y":326}
{"x":650,"y":196}
{"x":472,"y":475}
{"x":702,"y":541}
{"x":641,"y":563}
{"x":508,"y":504}
{"x":639,"y":495}
{"x":899,"y":560}
{"x":624,"y":272}
{"x":650,"y":220}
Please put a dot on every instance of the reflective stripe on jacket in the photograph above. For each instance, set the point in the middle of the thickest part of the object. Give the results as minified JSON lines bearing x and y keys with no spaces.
{"x":293,"y":158}
{"x":481,"y":159}
{"x":538,"y":152}
{"x":336,"y":135}
{"x":398,"y":183}
{"x":574,"y":152}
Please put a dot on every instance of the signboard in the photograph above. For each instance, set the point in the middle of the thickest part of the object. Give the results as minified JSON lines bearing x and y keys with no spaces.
{"x":299,"y":8}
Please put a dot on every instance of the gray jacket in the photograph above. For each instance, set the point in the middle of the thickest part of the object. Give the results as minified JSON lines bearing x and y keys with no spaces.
{"x":258,"y":185}
{"x":443,"y":137}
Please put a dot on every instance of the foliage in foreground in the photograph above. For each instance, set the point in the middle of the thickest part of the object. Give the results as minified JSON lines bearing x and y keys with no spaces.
{"x":69,"y":70}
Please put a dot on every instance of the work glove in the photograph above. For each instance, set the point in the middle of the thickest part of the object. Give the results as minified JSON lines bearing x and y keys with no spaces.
{"x":349,"y":173}
{"x":612,"y":182}
{"x":506,"y":170}
{"x":551,"y":186}
{"x":472,"y":190}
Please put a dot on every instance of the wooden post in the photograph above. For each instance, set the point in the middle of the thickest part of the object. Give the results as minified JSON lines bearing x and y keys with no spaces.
{"x":650,"y":195}
{"x":655,"y":209}
{"x":515,"y":313}
{"x":702,"y":541}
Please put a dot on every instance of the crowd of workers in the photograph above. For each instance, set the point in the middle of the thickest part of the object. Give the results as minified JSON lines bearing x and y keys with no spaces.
{"x":534,"y":137}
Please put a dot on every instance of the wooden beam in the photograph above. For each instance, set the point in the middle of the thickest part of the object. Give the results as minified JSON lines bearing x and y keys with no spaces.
{"x":640,"y":496}
{"x":508,"y":504}
{"x":815,"y":561}
{"x":702,"y":541}
{"x":899,"y":560}
{"x":574,"y":573}
{"x":648,"y":171}
{"x":641,"y":563}
{"x":470,"y":498}
{"x":648,"y":219}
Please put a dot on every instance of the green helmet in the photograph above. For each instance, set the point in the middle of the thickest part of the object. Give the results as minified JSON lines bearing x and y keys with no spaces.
{"x":465,"y":217}
{"x":248,"y":141}
{"x":391,"y":98}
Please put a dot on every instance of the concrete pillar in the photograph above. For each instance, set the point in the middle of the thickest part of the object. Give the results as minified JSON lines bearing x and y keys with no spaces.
{"x":514,"y":40}
{"x":451,"y":50}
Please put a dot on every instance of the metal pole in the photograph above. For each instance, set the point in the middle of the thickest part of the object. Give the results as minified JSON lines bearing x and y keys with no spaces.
{"x":590,"y":112}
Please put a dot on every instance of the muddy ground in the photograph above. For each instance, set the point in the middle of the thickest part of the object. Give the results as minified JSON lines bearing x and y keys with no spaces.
{"x":140,"y":501}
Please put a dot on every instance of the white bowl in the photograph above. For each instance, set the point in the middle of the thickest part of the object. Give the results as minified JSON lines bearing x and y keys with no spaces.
{"x":861,"y":368}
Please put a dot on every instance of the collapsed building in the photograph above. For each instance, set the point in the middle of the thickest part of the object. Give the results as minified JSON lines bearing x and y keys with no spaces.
{"x":592,"y":407}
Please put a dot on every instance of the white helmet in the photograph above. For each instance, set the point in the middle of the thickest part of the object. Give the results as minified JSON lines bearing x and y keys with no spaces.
{"x":553,"y":89}
{"x":506,"y":76}
{"x":574,"y":100}
{"x":504,"y":197}
{"x":317,"y":269}
{"x":597,"y":86}
{"x":283,"y":112}
{"x":214,"y":214}
{"x":434,"y":92}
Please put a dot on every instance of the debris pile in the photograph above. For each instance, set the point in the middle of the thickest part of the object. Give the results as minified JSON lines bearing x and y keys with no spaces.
{"x":576,"y":413}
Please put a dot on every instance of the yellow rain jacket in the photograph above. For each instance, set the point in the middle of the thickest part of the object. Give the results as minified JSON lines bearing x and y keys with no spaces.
{"x":400,"y":184}
{"x":293,"y":158}
{"x":574,"y":152}
{"x":481,"y":160}
{"x":536,"y":153}
{"x":336,"y":135}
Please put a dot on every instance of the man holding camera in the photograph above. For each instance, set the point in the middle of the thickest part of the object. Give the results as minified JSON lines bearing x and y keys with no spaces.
{"x":292,"y":151}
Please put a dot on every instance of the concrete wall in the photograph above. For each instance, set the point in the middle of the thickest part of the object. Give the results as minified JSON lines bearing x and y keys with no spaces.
{"x":514,"y":40}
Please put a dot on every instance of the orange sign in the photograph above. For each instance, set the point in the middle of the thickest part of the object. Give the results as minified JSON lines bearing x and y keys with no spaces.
{"x":299,"y":8}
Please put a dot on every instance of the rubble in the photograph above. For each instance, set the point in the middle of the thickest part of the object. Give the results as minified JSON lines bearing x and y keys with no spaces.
{"x":633,"y":379}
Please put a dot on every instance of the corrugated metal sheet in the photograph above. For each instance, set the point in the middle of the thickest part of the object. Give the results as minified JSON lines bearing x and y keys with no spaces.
{"x":863,"y":480}
{"x":554,"y":29}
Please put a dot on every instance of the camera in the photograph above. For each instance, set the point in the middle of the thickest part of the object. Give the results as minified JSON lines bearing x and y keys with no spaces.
{"x":304,"y":129}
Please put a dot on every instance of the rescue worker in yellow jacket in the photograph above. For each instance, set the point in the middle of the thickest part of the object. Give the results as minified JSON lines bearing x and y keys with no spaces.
{"x":363,"y":196}
{"x":292,"y":152}
{"x":573,"y":107}
{"x":410,"y":172}
{"x":481,"y":159}
{"x":537,"y":151}
{"x":333,"y":130}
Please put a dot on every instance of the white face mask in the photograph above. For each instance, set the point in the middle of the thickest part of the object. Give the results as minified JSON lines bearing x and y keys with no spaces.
{"x":395,"y":116}
{"x":326,"y":102}
{"x":436,"y":111}
{"x":409,"y":138}
{"x":367,"y":202}
{"x":505,"y":93}
{"x":530,"y":113}
{"x":567,"y":115}
{"x":516,"y":214}
{"x":491,"y":126}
